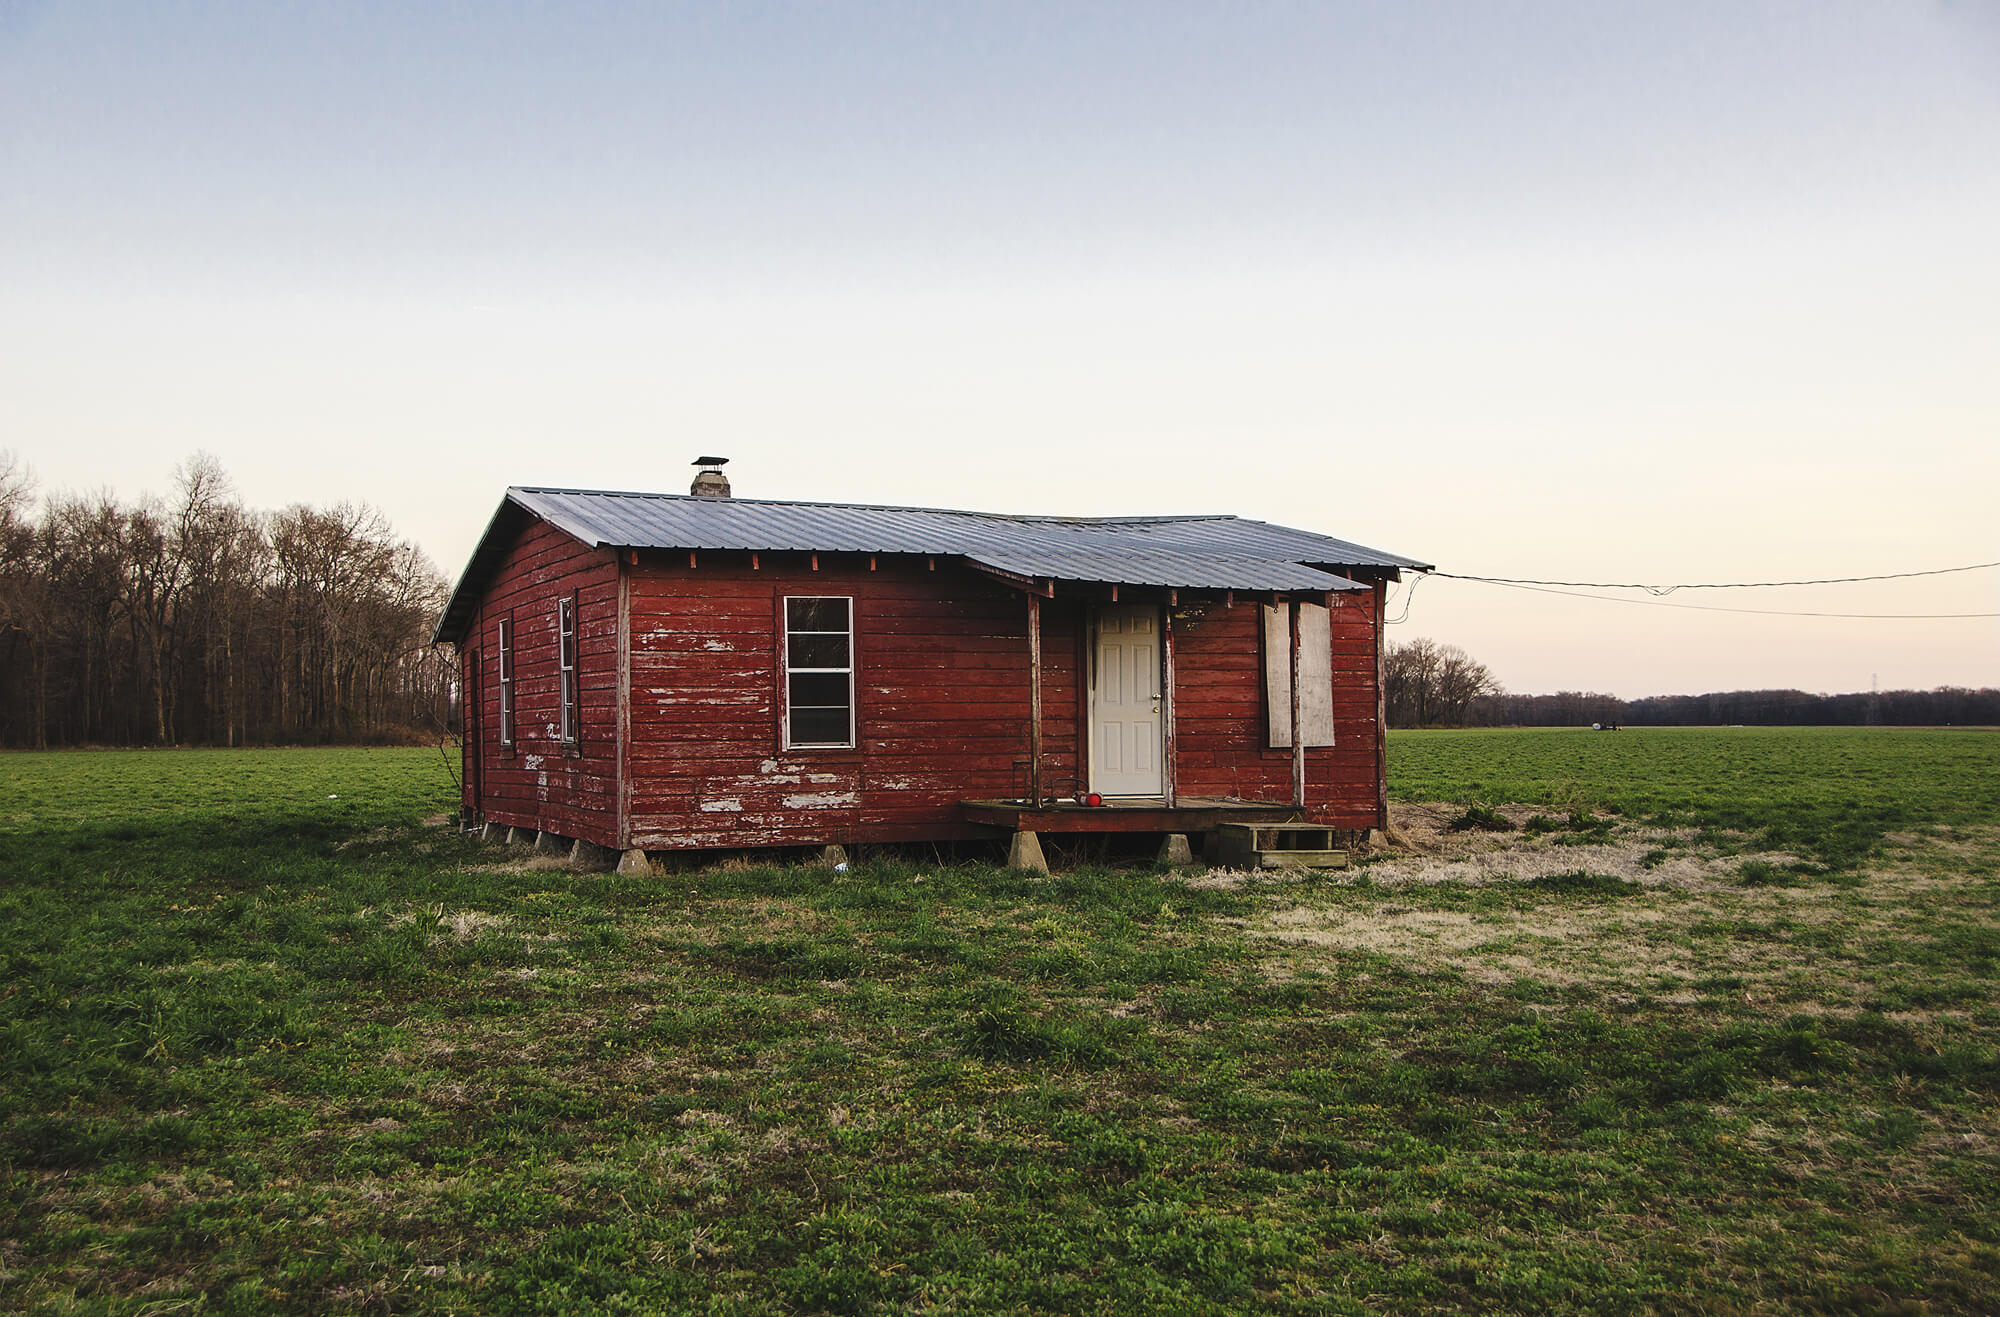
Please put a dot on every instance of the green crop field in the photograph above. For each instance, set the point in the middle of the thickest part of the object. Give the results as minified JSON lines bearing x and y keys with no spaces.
{"x":1832,"y":790}
{"x":1692,"y":1021}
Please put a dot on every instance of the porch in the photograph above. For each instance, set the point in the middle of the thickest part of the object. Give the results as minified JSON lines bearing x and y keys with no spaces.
{"x":1189,"y":814}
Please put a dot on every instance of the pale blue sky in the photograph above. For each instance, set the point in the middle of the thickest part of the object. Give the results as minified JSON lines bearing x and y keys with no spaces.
{"x":1688,"y":291}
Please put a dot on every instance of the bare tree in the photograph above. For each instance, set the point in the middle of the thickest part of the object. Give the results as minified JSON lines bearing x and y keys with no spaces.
{"x":221,"y":549}
{"x":23,"y":594}
{"x":155,"y":573}
{"x":1431,"y":685}
{"x":84,"y":562}
{"x":195,"y":619}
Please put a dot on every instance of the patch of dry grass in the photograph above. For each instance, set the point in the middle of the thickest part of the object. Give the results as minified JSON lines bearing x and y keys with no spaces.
{"x":1468,"y":904}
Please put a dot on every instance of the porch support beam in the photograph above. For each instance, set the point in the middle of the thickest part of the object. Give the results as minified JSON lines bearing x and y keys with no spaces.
{"x":1380,"y":603}
{"x":1298,"y":741}
{"x":1167,"y":707}
{"x":1035,"y":700}
{"x":624,"y":639}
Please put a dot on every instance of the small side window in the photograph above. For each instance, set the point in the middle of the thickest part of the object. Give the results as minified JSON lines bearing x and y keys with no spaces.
{"x":504,"y":664}
{"x":819,"y":672}
{"x":566,"y":648}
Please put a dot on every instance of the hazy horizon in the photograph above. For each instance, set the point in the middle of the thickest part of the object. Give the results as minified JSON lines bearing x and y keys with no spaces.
{"x":1697,"y":293}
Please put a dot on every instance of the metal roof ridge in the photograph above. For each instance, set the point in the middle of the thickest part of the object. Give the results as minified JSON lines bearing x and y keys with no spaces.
{"x":1154,"y":520}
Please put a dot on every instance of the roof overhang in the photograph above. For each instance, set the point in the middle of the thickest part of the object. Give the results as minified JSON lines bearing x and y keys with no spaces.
{"x":509,"y":519}
{"x":1164,"y":571}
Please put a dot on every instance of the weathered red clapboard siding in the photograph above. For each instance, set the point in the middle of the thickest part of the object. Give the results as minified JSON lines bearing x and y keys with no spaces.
{"x":540,"y":782}
{"x":1219,"y":715}
{"x":941,"y":695}
{"x":941,"y":702}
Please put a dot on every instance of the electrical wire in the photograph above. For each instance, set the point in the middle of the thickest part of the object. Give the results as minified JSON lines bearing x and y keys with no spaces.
{"x":1663,"y":590}
{"x":1408,"y":598}
{"x":1716,"y":608}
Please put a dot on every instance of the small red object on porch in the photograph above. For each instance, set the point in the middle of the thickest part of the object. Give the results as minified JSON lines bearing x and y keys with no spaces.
{"x":1093,"y":799}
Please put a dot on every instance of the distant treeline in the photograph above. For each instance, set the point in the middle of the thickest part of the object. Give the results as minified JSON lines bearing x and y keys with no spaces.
{"x":1955,"y":705}
{"x":1427,"y":684}
{"x":195,"y":620}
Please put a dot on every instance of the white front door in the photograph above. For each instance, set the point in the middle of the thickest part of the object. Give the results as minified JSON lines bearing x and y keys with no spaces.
{"x":1125,"y":703}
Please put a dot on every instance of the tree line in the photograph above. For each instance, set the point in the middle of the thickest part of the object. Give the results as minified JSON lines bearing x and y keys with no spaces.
{"x":1943,"y":706}
{"x":1426,"y":684}
{"x":194,"y":620}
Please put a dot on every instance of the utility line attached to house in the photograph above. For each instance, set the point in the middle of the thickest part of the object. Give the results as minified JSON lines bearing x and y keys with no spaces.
{"x":1716,"y":608}
{"x":1663,"y":590}
{"x":1658,"y":593}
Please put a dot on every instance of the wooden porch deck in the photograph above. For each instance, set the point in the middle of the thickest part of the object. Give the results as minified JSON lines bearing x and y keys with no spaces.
{"x":1131,"y":814}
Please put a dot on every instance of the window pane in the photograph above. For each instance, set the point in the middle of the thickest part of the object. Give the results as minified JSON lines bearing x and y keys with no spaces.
{"x":816,"y":614}
{"x":819,"y":726}
{"x":828,"y":689}
{"x":817,"y":651}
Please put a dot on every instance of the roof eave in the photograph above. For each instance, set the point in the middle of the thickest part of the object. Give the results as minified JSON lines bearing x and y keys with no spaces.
{"x":457,"y":616}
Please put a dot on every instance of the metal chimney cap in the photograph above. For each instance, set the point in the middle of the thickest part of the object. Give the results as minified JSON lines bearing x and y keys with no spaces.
{"x":710,"y":461}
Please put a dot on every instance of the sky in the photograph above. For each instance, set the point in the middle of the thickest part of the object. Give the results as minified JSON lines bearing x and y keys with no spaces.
{"x":1665,"y":293}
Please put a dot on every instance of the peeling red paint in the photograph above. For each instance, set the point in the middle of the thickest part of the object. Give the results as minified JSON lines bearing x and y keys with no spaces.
{"x":942,"y":703}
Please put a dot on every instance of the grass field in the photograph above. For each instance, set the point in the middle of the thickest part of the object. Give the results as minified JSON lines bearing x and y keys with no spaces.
{"x":270,"y":1042}
{"x":1830,"y":790}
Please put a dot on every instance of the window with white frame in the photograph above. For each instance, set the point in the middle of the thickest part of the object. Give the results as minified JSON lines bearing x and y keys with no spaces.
{"x":819,"y":671}
{"x":504,"y":667}
{"x":566,"y":660}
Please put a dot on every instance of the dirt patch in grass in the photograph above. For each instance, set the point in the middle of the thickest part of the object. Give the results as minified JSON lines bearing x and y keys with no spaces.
{"x":1529,"y":858}
{"x":530,"y":862}
{"x":468,"y":924}
{"x":1618,"y":955}
{"x":1646,"y":911}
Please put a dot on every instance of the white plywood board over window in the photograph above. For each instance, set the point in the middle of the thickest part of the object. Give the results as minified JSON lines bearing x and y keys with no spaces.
{"x":1315,"y":674}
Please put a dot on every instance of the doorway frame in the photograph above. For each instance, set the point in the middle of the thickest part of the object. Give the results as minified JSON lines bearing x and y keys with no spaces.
{"x":1163,"y":674}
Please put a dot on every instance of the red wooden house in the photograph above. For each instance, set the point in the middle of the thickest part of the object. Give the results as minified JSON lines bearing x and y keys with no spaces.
{"x":647,"y":672}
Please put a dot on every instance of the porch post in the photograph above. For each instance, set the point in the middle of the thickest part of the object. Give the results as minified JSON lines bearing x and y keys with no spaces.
{"x":1167,"y":788}
{"x":1298,"y":741}
{"x":1380,"y":600}
{"x":624,"y":680}
{"x":1035,"y":700}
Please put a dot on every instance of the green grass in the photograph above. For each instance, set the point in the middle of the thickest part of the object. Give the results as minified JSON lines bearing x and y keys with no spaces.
{"x":1831,"y":792}
{"x":266,"y":1050}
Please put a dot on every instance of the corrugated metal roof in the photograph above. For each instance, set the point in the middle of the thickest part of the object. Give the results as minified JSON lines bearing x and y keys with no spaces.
{"x":1163,"y":567}
{"x":680,"y":521}
{"x":1202,"y":552}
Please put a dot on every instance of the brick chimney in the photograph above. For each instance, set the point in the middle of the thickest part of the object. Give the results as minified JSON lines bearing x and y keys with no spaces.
{"x":709,"y":482}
